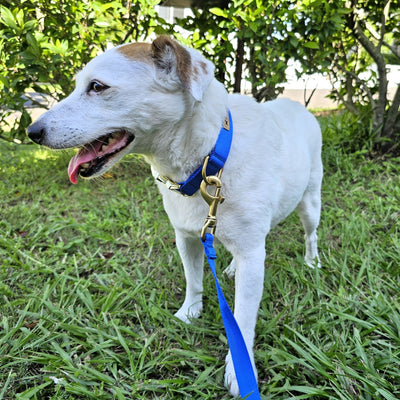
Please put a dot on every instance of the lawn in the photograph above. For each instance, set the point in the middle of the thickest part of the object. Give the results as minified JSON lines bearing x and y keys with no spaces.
{"x":90,"y":279}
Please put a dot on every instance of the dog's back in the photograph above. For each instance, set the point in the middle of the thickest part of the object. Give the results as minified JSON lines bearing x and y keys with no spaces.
{"x":276,"y":154}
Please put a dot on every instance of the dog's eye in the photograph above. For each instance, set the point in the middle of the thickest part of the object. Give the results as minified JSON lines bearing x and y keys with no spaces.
{"x":96,"y":87}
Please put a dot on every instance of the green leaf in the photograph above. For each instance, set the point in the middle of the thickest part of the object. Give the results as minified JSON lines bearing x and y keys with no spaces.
{"x":308,"y":390}
{"x":311,"y":45}
{"x":28,"y":394}
{"x":102,"y":24}
{"x":4,"y":81}
{"x":29,"y":25}
{"x":220,"y":13}
{"x":7,"y":17}
{"x":33,"y":45}
{"x":293,"y":41}
{"x":20,"y":18}
{"x":385,"y":394}
{"x":254,"y":25}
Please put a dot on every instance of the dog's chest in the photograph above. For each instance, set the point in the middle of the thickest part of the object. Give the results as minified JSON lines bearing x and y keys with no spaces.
{"x":186,"y":214}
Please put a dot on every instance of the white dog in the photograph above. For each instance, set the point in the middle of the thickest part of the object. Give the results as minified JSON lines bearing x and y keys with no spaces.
{"x":162,"y":100}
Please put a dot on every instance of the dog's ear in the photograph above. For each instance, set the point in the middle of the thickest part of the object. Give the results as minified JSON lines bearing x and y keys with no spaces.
{"x":193,"y":71}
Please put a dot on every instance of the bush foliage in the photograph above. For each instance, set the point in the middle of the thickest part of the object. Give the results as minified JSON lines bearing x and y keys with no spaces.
{"x":44,"y":43}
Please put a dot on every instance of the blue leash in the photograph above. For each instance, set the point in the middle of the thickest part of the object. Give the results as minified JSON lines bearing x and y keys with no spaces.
{"x":241,"y":360}
{"x":211,"y":177}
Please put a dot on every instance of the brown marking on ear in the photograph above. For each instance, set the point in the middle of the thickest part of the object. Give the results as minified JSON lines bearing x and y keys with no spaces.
{"x":182,"y":58}
{"x":137,"y":51}
{"x":203,"y":66}
{"x":195,"y":73}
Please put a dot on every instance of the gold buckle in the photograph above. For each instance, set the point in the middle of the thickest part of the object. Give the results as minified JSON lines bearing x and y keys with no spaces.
{"x":226,"y":123}
{"x":170,"y":184}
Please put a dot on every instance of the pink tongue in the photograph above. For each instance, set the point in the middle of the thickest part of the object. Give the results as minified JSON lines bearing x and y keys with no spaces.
{"x":84,"y":155}
{"x":93,"y":150}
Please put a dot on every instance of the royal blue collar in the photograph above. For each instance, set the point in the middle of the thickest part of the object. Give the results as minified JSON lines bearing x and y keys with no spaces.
{"x":216,"y":162}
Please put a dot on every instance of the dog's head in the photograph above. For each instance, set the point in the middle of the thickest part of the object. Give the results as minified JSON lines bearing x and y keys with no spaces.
{"x":121,"y":100}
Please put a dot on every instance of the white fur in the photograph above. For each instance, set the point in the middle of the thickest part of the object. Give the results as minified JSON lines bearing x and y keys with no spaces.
{"x":274,"y":166}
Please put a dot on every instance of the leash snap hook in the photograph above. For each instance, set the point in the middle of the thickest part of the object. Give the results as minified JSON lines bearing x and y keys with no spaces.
{"x":210,"y":223}
{"x":211,"y":200}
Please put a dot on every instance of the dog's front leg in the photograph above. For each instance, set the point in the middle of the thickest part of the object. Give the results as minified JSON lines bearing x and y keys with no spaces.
{"x":249,"y":283}
{"x":191,"y":252}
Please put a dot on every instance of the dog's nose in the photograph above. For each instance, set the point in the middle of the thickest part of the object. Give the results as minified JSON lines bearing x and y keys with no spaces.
{"x":36,"y":133}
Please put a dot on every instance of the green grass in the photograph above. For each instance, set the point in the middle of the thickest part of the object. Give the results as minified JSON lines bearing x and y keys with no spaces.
{"x":90,"y":279}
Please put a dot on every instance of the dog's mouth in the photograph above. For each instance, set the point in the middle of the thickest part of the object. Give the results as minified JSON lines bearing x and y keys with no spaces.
{"x":94,"y":158}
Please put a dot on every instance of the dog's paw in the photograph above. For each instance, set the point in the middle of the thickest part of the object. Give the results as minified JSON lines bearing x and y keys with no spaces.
{"x":230,"y":377}
{"x":230,"y":270}
{"x":313,"y":262}
{"x":186,"y":313}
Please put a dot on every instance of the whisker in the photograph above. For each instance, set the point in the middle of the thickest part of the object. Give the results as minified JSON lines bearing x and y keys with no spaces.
{"x":91,"y":145}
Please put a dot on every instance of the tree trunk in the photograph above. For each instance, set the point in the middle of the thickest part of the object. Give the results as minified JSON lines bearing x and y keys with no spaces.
{"x":239,"y":65}
{"x":390,"y":128}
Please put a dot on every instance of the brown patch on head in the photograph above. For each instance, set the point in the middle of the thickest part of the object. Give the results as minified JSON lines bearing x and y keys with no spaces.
{"x":167,"y":54}
{"x":137,"y":51}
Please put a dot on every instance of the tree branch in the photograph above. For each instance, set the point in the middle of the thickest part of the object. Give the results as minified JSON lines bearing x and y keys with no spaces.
{"x":393,"y":48}
{"x":385,"y":16}
{"x":349,"y":105}
{"x":360,"y":82}
{"x":364,"y":86}
{"x":373,"y":51}
{"x":307,"y":100}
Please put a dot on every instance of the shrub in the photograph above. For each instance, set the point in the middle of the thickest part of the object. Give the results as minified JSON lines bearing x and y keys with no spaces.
{"x":44,"y":43}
